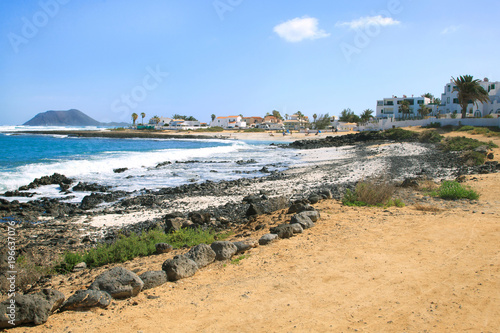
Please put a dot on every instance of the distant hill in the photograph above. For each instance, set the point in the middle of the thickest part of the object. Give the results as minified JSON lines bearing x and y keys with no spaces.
{"x":66,"y":118}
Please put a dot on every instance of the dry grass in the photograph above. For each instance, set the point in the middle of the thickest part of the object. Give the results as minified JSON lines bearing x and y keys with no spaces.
{"x":427,"y":185}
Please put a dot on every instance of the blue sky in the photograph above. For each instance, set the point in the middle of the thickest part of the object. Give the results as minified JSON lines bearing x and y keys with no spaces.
{"x":110,"y":58}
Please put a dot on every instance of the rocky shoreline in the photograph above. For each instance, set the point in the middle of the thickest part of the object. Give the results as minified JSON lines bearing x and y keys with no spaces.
{"x":49,"y":227}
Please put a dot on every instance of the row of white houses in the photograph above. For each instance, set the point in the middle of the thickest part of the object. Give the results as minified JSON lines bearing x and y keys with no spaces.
{"x":389,"y":107}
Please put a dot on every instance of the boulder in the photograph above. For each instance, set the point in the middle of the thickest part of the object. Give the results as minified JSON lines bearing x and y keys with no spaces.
{"x":202,"y":255}
{"x":302,"y":219}
{"x":180,"y":267}
{"x":267,"y":206}
{"x":153,"y":279}
{"x":314,"y":199}
{"x":244,"y":246}
{"x":268,"y":239}
{"x":120,"y":170}
{"x":163,"y":248}
{"x":199,"y":218}
{"x":224,"y":250}
{"x":118,"y":282}
{"x":174,"y":224}
{"x":283,"y":231}
{"x":312,"y":214}
{"x":297,"y":228}
{"x":83,"y":300}
{"x":299,"y":207}
{"x":24,"y":309}
{"x":54,"y":297}
{"x":325,"y":194}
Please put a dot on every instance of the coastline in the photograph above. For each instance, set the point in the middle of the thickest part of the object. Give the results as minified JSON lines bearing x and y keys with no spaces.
{"x":349,"y":264}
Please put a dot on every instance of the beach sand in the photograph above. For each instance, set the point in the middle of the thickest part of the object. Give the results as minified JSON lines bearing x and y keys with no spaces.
{"x":359,"y":269}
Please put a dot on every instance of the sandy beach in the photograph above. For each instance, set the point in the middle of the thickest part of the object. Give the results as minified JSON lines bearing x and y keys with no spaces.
{"x":432,"y":266}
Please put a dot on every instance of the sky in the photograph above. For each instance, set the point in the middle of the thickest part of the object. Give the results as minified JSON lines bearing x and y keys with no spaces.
{"x":112,"y":58}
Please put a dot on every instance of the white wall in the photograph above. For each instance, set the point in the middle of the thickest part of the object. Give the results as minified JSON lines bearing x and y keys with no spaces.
{"x":384,"y":124}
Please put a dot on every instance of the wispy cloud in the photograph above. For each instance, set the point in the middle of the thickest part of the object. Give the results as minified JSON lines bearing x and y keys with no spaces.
{"x":366,"y":21}
{"x":450,"y":29}
{"x":299,"y":29}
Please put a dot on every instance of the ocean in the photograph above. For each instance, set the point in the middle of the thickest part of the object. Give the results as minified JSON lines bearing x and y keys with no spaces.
{"x":24,"y":157}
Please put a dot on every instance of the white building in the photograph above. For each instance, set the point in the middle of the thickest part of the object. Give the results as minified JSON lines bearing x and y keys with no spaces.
{"x":449,"y":101}
{"x":179,"y":124}
{"x":389,"y":107}
{"x":229,"y":122}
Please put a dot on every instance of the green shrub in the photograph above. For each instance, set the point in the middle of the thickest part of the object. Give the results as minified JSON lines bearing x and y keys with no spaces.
{"x":452,"y":190}
{"x":462,"y":143}
{"x":373,"y":192}
{"x":250,"y":130}
{"x":433,"y":125}
{"x":132,"y":246}
{"x":399,"y":134}
{"x":209,"y":129}
{"x":465,"y":128}
{"x":472,"y":158}
{"x":430,"y":137}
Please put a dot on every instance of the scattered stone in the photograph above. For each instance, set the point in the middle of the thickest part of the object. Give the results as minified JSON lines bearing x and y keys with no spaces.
{"x":314,"y":199}
{"x":267,"y":239}
{"x":54,"y":297}
{"x":326,"y":194}
{"x":179,"y":267}
{"x":153,"y":279}
{"x":299,"y":206}
{"x":302,"y":219}
{"x":244,"y":246}
{"x":118,"y":282}
{"x":267,"y":206}
{"x":202,"y":255}
{"x":297,"y":228}
{"x":199,"y":218}
{"x":163,"y":248}
{"x":312,"y":214}
{"x":79,"y":267}
{"x":224,"y":250}
{"x":283,"y":231}
{"x":174,"y":224}
{"x":83,"y":300}
{"x":120,"y":170}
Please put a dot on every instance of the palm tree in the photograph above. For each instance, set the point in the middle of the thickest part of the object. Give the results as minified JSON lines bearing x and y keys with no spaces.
{"x":143,"y":115}
{"x":315,"y":116}
{"x":423,"y":110}
{"x":134,"y":118}
{"x":404,"y":108}
{"x":469,"y":91}
{"x":286,"y":116}
{"x":156,"y":120}
{"x":366,"y":115}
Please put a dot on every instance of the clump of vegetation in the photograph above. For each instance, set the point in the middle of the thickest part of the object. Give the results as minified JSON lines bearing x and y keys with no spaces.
{"x":486,"y":131}
{"x":130,"y":247}
{"x":453,"y":190}
{"x":462,"y":144}
{"x":399,"y":134}
{"x":427,"y":208}
{"x":209,"y":129}
{"x":375,"y":192}
{"x":237,"y":261}
{"x":251,"y":130}
{"x":473,"y":158}
{"x":430,"y":137}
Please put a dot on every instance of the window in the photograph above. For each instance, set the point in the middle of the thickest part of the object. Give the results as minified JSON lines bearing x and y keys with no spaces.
{"x":420,"y":102}
{"x":449,"y":88}
{"x":447,"y":100}
{"x":380,"y":103}
{"x":389,"y":102}
{"x":455,"y":101}
{"x":399,"y":102}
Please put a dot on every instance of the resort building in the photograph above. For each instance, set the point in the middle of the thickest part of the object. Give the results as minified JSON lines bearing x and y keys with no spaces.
{"x":253,"y":121}
{"x":229,"y":122}
{"x":179,"y":124}
{"x":296,"y":122}
{"x":390,"y":107}
{"x":450,"y":105}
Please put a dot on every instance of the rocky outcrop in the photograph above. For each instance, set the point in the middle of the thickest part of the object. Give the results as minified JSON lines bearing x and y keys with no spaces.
{"x":303,"y":219}
{"x":283,"y":231}
{"x":118,"y":282}
{"x":24,"y":309}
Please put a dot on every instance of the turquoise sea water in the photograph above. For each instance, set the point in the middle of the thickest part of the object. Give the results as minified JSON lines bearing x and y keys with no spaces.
{"x":25,"y":157}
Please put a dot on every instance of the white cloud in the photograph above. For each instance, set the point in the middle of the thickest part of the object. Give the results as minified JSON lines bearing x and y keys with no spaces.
{"x":449,"y":30}
{"x":366,"y":21}
{"x":298,"y":29}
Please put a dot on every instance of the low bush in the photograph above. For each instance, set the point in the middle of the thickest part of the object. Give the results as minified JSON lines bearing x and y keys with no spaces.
{"x":453,"y":190}
{"x":251,"y":130}
{"x":209,"y":129}
{"x":399,"y":134}
{"x":465,"y":128}
{"x":433,"y":125}
{"x":462,"y":144}
{"x":373,"y":192}
{"x":473,"y":158}
{"x":430,"y":137}
{"x":130,"y":247}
